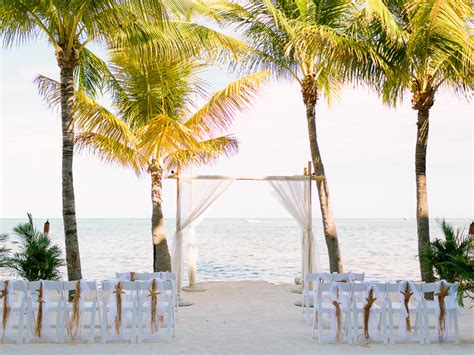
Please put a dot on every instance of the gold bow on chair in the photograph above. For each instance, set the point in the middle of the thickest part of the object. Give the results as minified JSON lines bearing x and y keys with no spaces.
{"x":132,"y":276}
{"x":155,"y":321}
{"x":6,"y":307}
{"x":39,"y":318}
{"x":74,"y":322}
{"x":443,"y":292}
{"x":406,"y":300}
{"x":118,"y":300}
{"x":370,"y":301}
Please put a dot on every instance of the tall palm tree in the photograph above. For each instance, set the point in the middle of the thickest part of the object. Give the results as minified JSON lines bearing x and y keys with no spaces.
{"x":153,"y":127}
{"x":433,"y":50}
{"x":69,"y":26}
{"x":300,"y":40}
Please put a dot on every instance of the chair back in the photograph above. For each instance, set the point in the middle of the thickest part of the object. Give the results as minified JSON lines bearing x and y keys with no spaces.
{"x":163,"y":286}
{"x":19,"y":288}
{"x":322,"y":290}
{"x":71,"y":285}
{"x":50,"y":288}
{"x":109,"y":285}
{"x":343,"y":291}
{"x":428,"y":287}
{"x":356,"y":276}
{"x":126,"y":276}
{"x":162,"y":275}
{"x":340,"y":277}
{"x":318,"y":276}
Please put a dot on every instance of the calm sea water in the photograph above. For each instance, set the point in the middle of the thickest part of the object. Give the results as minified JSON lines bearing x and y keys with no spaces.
{"x":249,"y":249}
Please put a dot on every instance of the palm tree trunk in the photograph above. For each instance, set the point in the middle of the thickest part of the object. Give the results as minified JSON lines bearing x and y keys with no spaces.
{"x":422,"y":216}
{"x":310,"y":96}
{"x":73,"y":259}
{"x":161,"y":255}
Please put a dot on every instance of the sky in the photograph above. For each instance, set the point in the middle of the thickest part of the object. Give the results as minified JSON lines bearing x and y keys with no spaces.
{"x":367,"y":148}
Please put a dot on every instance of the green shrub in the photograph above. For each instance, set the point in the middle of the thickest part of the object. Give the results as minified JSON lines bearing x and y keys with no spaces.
{"x":38,"y":258}
{"x":452,"y":259}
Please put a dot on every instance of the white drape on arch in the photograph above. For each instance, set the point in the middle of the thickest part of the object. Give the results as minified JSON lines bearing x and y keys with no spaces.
{"x":204,"y":192}
{"x":295,"y":196}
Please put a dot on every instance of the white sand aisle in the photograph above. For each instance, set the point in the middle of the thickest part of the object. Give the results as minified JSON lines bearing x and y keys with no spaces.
{"x":246,"y":317}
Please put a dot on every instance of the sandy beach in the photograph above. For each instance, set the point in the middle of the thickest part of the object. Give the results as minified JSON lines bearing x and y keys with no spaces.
{"x":247,"y":317}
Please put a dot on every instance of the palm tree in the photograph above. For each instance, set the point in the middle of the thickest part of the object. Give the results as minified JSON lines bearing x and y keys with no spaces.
{"x":451,"y":258}
{"x":433,"y":50}
{"x":39,"y":258}
{"x":154,"y":129}
{"x":302,"y":40}
{"x":69,"y":26}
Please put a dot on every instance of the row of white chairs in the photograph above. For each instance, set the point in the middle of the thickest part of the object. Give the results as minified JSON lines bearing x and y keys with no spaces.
{"x":125,"y":317}
{"x":340,"y":308}
{"x":142,"y":276}
{"x":311,"y":278}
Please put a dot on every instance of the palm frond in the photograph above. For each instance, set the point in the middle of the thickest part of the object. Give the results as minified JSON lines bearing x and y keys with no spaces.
{"x":111,"y":151}
{"x":204,"y":153}
{"x":162,"y":135}
{"x":219,"y":112}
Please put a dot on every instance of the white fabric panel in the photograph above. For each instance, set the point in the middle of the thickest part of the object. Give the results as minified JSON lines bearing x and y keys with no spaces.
{"x":295,"y":197}
{"x":204,"y":192}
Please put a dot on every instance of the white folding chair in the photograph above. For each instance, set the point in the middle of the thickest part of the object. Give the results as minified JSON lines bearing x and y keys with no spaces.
{"x":166,"y":276}
{"x":348,"y":277}
{"x":309,"y":285}
{"x":340,"y":295}
{"x":88,"y":306}
{"x":356,"y":276}
{"x":165,"y":312}
{"x":14,"y":296}
{"x":410,"y":321}
{"x":433,"y":308}
{"x":377,"y":320}
{"x":119,"y":320}
{"x":45,"y":313}
{"x":127,"y":276}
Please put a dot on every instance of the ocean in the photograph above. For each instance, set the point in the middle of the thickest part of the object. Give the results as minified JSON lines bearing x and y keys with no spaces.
{"x":249,"y":249}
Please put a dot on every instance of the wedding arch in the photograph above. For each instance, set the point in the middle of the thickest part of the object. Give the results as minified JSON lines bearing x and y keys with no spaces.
{"x":292,"y":192}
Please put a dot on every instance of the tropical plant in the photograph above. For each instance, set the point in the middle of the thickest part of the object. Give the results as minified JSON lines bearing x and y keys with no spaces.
{"x":4,"y":251}
{"x":144,"y":27}
{"x":431,"y":48}
{"x":153,"y":128}
{"x":303,"y":40}
{"x":38,"y":258}
{"x":452,"y":259}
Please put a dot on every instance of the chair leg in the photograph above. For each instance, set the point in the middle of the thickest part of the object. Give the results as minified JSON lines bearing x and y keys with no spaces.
{"x":391,"y":327}
{"x":28,"y":328}
{"x":134,"y":327}
{"x":140,"y":326}
{"x":59,"y":328}
{"x":456,"y":325}
{"x":63,"y":320}
{"x":348,"y":328}
{"x":92,"y":325}
{"x":103,"y":324}
{"x":383,"y":326}
{"x":320,"y":327}
{"x":21,"y":316}
{"x":426,"y":327}
{"x":355,"y":326}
